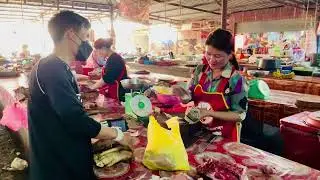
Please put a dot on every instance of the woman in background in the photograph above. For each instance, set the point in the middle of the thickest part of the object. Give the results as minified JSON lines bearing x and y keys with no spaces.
{"x":113,"y":72}
{"x":98,"y":57}
{"x":25,"y":53}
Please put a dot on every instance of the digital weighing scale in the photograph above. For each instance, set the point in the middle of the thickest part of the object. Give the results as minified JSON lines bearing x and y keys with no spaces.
{"x":137,"y":105}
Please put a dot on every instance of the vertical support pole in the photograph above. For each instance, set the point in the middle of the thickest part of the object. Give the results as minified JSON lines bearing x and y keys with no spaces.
{"x":112,"y":34}
{"x":224,"y":8}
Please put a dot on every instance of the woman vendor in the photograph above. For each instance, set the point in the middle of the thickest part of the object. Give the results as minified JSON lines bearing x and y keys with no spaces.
{"x":217,"y":88}
{"x":98,"y":57}
{"x":25,"y":53}
{"x":113,"y":72}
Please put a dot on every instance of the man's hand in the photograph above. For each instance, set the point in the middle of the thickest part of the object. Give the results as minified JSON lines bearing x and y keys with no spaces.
{"x":127,"y":140}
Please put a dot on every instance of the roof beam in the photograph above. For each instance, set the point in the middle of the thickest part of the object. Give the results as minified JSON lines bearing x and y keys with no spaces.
{"x":160,"y":20}
{"x":257,"y":9}
{"x":107,"y":8}
{"x":297,"y":2}
{"x":185,"y":14}
{"x":164,"y":18}
{"x":218,"y":2}
{"x":287,"y":4}
{"x":188,"y":7}
{"x":168,"y":10}
{"x":19,"y":15}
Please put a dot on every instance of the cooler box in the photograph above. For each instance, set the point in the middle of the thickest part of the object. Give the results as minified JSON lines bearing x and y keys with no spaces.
{"x":301,"y":141}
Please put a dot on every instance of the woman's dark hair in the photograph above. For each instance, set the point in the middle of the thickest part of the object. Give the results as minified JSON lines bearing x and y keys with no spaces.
{"x":223,"y":41}
{"x":103,"y":43}
{"x":234,"y":62}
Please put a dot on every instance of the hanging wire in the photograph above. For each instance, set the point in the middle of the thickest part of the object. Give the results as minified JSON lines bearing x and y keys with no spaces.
{"x":180,"y":12}
{"x":165,"y":12}
{"x":177,"y":41}
{"x":43,"y":31}
{"x":21,"y":7}
{"x":305,"y":26}
{"x":305,"y":21}
{"x":312,"y":21}
{"x":316,"y":13}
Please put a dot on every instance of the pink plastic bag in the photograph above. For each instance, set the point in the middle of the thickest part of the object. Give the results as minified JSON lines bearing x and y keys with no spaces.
{"x":15,"y":117}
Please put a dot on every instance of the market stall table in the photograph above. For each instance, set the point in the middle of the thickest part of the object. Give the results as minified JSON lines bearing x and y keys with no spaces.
{"x":156,"y":76}
{"x":177,"y":70}
{"x":13,"y":83}
{"x":245,"y":155}
{"x":301,"y":141}
{"x":299,"y":84}
{"x":281,"y":104}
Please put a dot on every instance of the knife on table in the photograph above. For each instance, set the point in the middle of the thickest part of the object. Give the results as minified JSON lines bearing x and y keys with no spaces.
{"x":204,"y":144}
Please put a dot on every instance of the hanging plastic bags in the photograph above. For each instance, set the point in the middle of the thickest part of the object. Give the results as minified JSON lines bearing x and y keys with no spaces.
{"x":165,"y":149}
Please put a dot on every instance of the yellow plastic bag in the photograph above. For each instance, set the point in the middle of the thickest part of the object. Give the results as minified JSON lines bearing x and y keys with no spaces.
{"x":165,"y":149}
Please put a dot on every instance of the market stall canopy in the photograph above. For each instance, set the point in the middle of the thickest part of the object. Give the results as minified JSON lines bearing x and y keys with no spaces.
{"x":182,"y":11}
{"x":147,"y":11}
{"x":136,"y":10}
{"x":38,"y":10}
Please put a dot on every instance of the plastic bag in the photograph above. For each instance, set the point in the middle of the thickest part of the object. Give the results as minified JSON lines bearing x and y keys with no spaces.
{"x":15,"y":117}
{"x":165,"y":149}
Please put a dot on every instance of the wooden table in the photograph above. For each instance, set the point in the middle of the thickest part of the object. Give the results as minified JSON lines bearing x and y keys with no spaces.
{"x":300,"y":84}
{"x":14,"y":82}
{"x":156,"y":76}
{"x":178,"y":70}
{"x":280,"y":105}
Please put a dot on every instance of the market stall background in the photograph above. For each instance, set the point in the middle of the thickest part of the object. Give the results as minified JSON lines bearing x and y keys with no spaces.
{"x":190,"y":21}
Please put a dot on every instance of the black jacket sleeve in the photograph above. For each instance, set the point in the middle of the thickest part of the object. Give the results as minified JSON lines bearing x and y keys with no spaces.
{"x":62,"y":96}
{"x":113,"y":69}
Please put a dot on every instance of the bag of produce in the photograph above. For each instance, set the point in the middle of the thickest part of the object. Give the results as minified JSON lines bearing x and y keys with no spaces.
{"x":165,"y":149}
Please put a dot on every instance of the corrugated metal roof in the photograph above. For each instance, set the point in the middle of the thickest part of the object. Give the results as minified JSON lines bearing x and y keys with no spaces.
{"x":34,"y":10}
{"x":165,"y":10}
{"x":172,"y":9}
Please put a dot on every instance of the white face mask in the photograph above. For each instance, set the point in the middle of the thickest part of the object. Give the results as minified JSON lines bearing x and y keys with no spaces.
{"x":101,"y":61}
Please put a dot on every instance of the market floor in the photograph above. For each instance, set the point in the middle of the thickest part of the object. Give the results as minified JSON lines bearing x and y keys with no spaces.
{"x":8,"y":149}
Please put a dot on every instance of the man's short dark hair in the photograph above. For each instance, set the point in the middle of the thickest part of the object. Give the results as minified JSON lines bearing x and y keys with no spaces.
{"x":63,"y":21}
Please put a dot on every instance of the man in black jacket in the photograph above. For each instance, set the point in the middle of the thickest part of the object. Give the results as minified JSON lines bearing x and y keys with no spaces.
{"x":60,"y":130}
